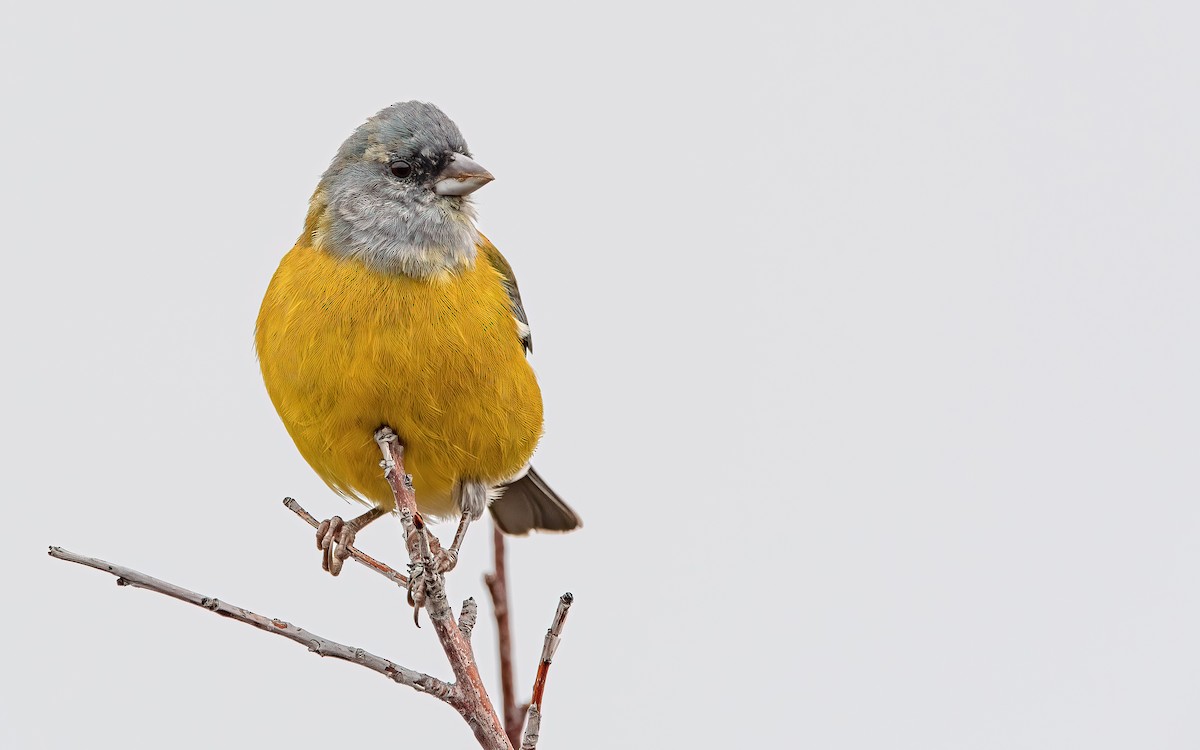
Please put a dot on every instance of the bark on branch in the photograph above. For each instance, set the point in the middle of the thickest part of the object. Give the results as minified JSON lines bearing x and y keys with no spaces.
{"x":317,"y":644}
{"x":472,"y":700}
{"x":426,"y":586}
{"x":497,"y":584}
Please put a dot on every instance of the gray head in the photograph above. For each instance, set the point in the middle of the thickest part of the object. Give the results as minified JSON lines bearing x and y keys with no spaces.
{"x":396,"y":195}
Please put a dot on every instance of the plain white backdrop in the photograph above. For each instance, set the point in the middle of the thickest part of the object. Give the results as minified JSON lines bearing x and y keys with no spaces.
{"x":867,"y":334}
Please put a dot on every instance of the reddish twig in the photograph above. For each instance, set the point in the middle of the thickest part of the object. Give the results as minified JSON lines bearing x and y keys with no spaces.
{"x":497,"y":584}
{"x":553,"y":636}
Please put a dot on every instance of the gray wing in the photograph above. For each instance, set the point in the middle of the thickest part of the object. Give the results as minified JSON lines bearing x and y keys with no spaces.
{"x":509,"y":281}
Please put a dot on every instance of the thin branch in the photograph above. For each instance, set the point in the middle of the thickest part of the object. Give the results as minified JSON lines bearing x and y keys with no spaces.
{"x":497,"y":584}
{"x":472,"y":699}
{"x":401,"y":484}
{"x":549,"y":646}
{"x":321,"y":646}
{"x":359,"y":556}
{"x":426,"y":586}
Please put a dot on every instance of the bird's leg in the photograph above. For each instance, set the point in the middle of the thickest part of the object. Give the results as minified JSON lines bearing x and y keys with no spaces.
{"x":447,"y":559}
{"x":335,"y":537}
{"x":472,"y":499}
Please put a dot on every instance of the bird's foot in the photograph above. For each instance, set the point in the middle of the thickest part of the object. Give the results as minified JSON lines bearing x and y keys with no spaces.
{"x":447,"y":558}
{"x":416,"y":591}
{"x":335,"y":538}
{"x":430,"y":561}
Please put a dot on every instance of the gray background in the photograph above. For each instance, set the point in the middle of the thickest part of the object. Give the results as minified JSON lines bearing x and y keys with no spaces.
{"x":867,"y":335}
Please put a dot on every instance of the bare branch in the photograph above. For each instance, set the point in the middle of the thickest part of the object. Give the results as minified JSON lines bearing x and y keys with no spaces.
{"x":472,"y":699}
{"x":497,"y":584}
{"x":426,"y":586}
{"x":550,"y":645}
{"x":358,"y":555}
{"x":401,"y":484}
{"x":321,"y":646}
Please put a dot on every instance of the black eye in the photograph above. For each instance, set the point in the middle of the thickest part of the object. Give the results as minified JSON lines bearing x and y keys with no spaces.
{"x":400,"y":169}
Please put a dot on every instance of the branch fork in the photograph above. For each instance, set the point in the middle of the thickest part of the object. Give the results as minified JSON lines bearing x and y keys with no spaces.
{"x":426,"y":587}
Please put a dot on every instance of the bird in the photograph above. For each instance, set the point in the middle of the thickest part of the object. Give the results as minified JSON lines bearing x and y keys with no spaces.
{"x":392,"y":310}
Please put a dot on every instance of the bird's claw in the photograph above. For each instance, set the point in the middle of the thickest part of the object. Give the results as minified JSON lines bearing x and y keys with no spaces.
{"x":447,"y":560}
{"x":416,"y":591}
{"x":334,"y":539}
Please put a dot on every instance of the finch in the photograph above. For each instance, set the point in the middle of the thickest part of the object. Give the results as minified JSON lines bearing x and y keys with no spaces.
{"x":392,"y":309}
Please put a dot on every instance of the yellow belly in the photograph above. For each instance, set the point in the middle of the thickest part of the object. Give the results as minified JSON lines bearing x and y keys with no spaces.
{"x":344,"y":350}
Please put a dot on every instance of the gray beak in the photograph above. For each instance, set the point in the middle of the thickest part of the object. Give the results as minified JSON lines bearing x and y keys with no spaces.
{"x":462,"y":176}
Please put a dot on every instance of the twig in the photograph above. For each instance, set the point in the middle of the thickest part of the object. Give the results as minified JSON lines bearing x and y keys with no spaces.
{"x":359,"y":556}
{"x":426,"y":584}
{"x":497,"y":584}
{"x":321,"y":646}
{"x":471,"y":698}
{"x":401,"y":484}
{"x":549,"y":646}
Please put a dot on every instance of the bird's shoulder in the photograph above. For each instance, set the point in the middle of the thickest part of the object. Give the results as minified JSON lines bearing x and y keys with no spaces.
{"x":491,"y":254}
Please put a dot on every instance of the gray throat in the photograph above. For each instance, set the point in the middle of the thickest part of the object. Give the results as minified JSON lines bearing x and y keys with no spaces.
{"x":422,"y":238}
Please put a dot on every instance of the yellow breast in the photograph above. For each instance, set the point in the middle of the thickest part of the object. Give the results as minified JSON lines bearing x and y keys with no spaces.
{"x":344,"y":350}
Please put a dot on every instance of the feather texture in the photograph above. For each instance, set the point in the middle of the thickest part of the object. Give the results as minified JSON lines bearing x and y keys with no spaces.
{"x":345,"y":349}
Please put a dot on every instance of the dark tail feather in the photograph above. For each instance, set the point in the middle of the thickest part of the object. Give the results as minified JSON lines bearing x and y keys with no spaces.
{"x":528,"y":504}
